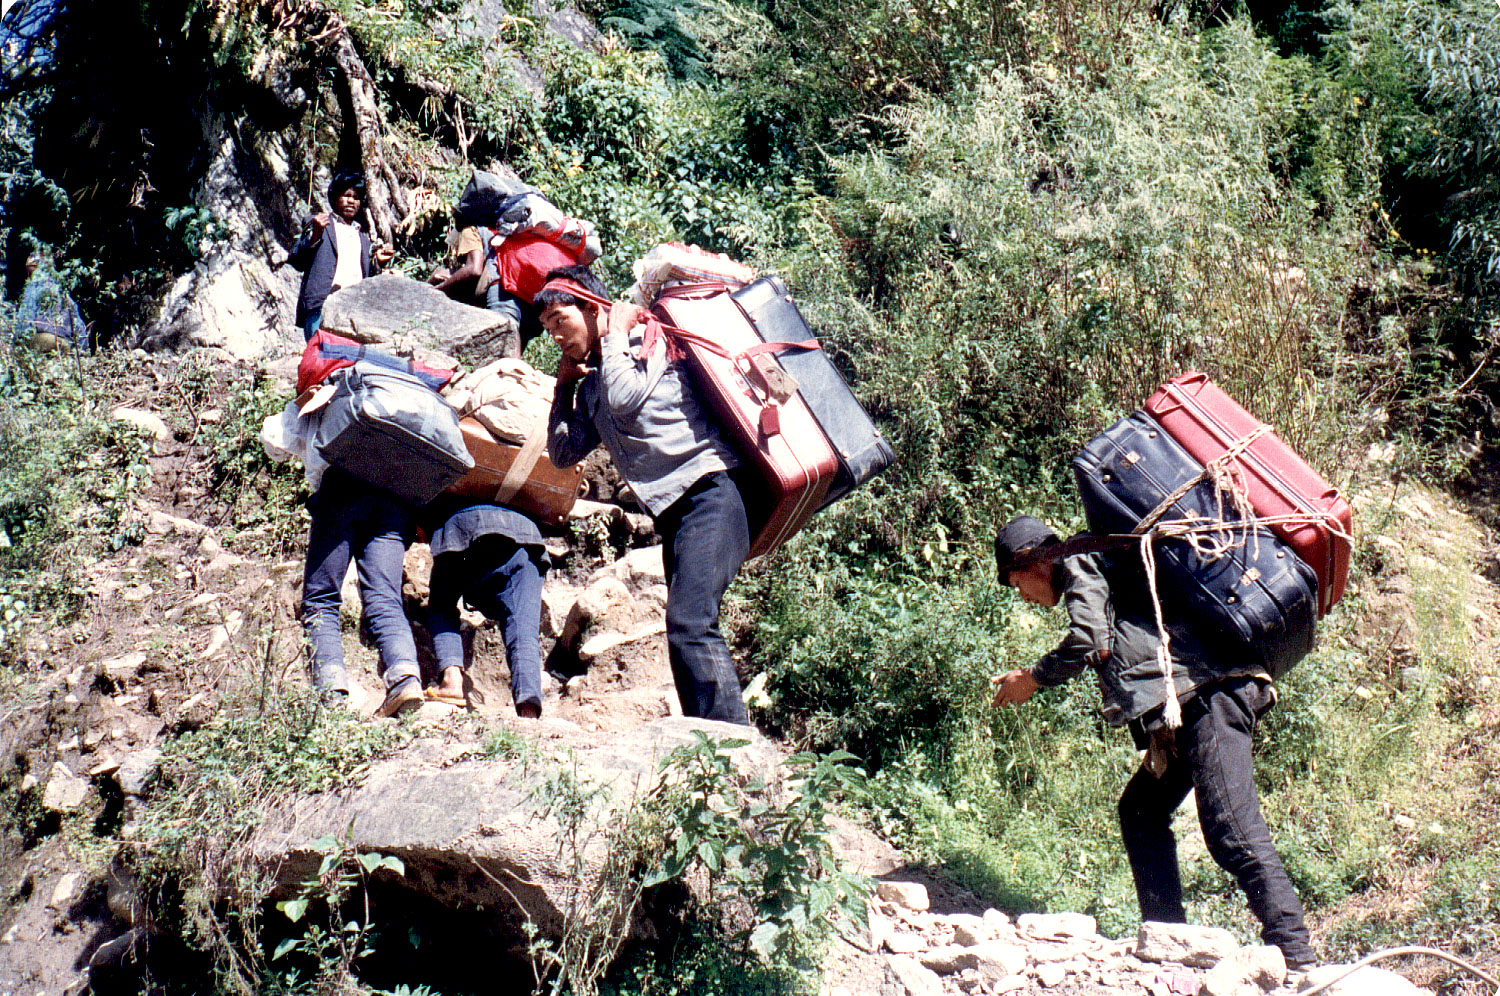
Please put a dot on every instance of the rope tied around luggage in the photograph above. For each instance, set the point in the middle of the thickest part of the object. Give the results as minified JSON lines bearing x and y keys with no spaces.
{"x":1210,"y":537}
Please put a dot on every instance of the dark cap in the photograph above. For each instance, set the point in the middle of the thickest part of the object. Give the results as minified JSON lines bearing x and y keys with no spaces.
{"x":346,"y":180}
{"x":1019,"y":535}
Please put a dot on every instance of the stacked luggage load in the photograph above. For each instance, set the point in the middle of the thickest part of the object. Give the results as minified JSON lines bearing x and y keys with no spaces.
{"x":784,"y":406}
{"x":1253,"y":545}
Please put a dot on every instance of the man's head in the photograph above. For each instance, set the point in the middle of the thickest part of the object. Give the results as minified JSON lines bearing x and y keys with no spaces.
{"x":570,"y":319}
{"x":346,"y":192}
{"x":1036,"y":581}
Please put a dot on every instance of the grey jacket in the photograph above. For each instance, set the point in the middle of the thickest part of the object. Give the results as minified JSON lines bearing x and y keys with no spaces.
{"x":647,"y":414}
{"x":1117,"y":637}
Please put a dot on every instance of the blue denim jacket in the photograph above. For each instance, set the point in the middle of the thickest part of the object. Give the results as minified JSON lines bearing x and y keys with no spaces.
{"x":648,"y":416}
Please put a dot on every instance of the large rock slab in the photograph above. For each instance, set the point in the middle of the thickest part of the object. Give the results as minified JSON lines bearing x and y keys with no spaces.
{"x":231,"y":300}
{"x":1368,"y":981}
{"x":471,"y":833}
{"x":393,"y":309}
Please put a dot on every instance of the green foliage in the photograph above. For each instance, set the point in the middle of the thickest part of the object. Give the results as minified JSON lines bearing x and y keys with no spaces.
{"x":649,"y":161}
{"x":69,"y":476}
{"x":333,"y":946}
{"x":435,"y":44}
{"x":216,"y":780}
{"x":267,"y":501}
{"x":779,"y":858}
{"x":702,"y":962}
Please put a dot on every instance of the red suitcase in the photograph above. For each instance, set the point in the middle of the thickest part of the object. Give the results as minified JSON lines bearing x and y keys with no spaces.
{"x":780,"y":438}
{"x":1207,"y":423}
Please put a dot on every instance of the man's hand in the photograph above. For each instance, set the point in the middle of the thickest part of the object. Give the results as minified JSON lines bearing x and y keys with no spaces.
{"x":624,"y":317}
{"x":320,"y":222}
{"x":1013,"y":687}
{"x":571,"y":370}
{"x":383,"y":253}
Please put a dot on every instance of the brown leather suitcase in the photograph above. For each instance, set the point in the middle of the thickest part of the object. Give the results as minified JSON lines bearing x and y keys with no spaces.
{"x":773,"y":431}
{"x":518,"y":477}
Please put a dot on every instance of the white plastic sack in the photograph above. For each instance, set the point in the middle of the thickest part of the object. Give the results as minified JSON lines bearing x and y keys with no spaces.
{"x":672,"y":263}
{"x":289,"y":434}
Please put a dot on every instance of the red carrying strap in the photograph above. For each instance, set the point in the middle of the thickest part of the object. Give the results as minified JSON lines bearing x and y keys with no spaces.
{"x":686,"y":292}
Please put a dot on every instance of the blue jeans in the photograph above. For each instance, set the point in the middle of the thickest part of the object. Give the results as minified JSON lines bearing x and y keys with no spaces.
{"x":705,"y":537}
{"x":353,"y":519}
{"x":526,"y":316}
{"x":503,"y":580}
{"x":311,"y":324}
{"x":1212,"y":759}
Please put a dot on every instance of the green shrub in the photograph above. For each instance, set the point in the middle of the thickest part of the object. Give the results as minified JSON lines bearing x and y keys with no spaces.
{"x":69,"y":477}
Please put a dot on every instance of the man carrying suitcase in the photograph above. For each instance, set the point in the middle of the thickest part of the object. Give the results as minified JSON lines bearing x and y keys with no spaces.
{"x":1208,"y":755}
{"x":616,"y":388}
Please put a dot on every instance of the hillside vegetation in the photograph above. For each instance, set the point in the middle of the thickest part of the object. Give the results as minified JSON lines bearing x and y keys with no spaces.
{"x":1007,"y":223}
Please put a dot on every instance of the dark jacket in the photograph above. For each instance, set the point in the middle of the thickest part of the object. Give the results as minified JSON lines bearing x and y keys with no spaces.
{"x":1115,"y":633}
{"x":317,"y":256}
{"x":456,"y":523}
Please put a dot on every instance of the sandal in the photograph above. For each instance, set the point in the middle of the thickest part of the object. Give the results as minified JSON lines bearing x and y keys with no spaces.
{"x":404,"y":697}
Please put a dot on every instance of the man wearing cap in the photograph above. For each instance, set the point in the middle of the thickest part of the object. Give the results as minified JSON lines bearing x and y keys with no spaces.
{"x":1113,"y":631}
{"x":618,"y":385}
{"x":333,"y":252}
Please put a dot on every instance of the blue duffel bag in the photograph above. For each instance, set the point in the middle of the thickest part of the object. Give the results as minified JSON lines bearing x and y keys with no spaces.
{"x":1244,"y":591}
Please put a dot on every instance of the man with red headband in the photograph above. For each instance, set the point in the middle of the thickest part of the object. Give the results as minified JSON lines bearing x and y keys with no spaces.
{"x":618,"y":384}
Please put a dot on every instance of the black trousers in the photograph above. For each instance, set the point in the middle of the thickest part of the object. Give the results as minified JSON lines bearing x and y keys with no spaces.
{"x":705,"y":536}
{"x":1212,"y":760}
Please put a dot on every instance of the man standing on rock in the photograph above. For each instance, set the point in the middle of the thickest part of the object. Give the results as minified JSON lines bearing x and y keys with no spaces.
{"x":617,"y":386}
{"x":334,"y":252}
{"x":1209,"y":754}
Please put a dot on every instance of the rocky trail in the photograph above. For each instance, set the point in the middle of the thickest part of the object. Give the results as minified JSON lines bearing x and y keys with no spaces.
{"x":204,"y":608}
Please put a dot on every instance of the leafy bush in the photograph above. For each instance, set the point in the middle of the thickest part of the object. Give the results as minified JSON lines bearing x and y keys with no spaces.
{"x":69,"y":476}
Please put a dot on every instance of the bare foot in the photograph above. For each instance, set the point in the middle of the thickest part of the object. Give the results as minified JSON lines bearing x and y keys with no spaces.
{"x":452,"y":684}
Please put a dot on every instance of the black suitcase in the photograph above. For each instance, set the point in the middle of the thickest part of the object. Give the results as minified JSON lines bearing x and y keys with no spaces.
{"x":861,"y":449}
{"x":1258,"y":602}
{"x":389,"y":429}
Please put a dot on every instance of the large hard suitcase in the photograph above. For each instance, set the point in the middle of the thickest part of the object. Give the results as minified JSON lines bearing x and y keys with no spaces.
{"x":1256,"y":603}
{"x":389,"y":429}
{"x":779,"y":437}
{"x":1208,"y":423}
{"x":862,"y":451}
{"x":520,"y":477}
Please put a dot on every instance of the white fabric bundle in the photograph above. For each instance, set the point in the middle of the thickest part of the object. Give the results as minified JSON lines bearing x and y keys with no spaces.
{"x":673,"y":263}
{"x":510,"y":398}
{"x":289,"y":434}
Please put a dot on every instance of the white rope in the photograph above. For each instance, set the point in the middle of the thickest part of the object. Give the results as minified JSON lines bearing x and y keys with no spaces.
{"x":1211,"y":540}
{"x":1396,"y":952}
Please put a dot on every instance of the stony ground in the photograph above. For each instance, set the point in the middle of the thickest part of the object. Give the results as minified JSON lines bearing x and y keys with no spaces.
{"x":200,"y":608}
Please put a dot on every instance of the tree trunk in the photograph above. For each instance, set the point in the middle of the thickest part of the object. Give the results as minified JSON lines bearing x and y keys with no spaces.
{"x":385,"y":199}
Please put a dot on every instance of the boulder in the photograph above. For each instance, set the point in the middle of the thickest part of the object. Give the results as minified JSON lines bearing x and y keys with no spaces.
{"x":1058,"y":925}
{"x":996,"y":960}
{"x":1249,"y":971}
{"x":1184,"y":943}
{"x":65,"y":791}
{"x":231,"y":300}
{"x":472,"y":834}
{"x":910,"y":895}
{"x":1368,"y":981}
{"x":135,"y":771}
{"x":946,"y":960}
{"x":391,"y":309}
{"x":145,"y":421}
{"x":913,"y":978}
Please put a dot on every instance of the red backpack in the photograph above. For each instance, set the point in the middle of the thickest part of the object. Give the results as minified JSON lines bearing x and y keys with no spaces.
{"x":327,"y":352}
